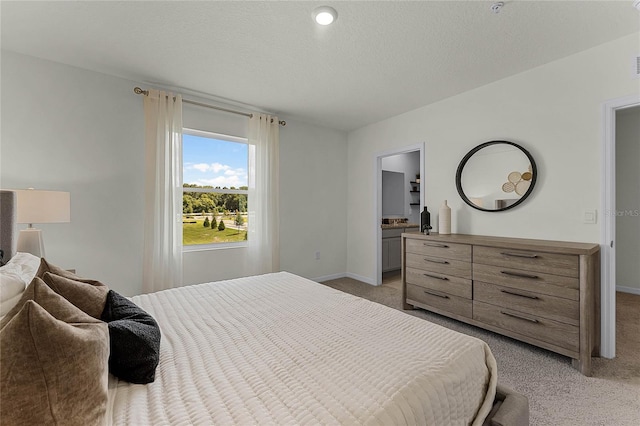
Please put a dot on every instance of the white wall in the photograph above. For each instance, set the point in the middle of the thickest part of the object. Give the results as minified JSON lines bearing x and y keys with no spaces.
{"x":554,"y":111}
{"x":69,"y":129}
{"x":628,"y":200}
{"x":72,"y":130}
{"x":313,"y":200}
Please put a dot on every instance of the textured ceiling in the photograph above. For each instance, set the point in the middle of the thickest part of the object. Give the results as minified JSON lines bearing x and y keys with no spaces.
{"x":378,"y":60}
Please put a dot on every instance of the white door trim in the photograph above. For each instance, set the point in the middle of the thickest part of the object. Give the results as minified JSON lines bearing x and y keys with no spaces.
{"x":608,"y":224}
{"x":378,"y":197}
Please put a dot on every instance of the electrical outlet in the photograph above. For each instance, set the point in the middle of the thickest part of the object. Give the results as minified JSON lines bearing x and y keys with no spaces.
{"x":317,"y":255}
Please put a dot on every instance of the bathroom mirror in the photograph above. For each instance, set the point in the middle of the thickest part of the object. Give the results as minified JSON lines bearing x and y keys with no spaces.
{"x":496,"y":176}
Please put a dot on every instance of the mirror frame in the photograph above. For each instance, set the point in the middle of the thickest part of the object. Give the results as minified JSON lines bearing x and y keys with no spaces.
{"x":534,"y":170}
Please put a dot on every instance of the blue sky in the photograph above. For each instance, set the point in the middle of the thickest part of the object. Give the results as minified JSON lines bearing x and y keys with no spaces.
{"x":214,"y":162}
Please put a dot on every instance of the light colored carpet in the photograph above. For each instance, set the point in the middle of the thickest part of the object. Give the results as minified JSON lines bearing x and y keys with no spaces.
{"x":558,"y":394}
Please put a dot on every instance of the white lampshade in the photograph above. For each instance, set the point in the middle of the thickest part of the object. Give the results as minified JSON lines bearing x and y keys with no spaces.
{"x":34,"y":206}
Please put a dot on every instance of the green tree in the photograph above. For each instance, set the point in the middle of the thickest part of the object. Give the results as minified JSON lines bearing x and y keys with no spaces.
{"x":207,"y":202}
{"x":187,"y":203}
{"x":214,"y":222}
{"x":239,"y":219}
{"x":206,"y":222}
{"x":221,"y":225}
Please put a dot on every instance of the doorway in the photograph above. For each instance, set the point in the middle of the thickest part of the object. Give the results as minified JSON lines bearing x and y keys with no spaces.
{"x":412,"y":190}
{"x":611,"y":207}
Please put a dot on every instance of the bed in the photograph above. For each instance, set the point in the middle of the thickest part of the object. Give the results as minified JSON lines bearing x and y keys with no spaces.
{"x":280,"y":349}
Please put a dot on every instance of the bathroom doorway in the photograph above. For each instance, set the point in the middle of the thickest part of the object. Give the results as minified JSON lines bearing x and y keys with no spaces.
{"x":403,"y":203}
{"x":618,"y":277}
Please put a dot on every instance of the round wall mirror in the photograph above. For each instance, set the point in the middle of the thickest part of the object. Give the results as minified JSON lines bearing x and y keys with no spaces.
{"x":496,"y":176}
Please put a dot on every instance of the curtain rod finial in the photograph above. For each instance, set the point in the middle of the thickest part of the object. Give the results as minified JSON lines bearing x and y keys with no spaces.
{"x":139,"y":91}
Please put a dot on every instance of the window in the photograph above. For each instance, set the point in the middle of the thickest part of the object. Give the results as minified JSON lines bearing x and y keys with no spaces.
{"x":215,"y":189}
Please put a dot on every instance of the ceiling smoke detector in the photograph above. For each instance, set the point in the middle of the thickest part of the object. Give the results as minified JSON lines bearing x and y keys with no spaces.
{"x":497,"y":7}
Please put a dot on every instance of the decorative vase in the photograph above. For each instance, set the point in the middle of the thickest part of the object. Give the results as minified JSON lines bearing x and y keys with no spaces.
{"x":444,"y":219}
{"x":425,"y":221}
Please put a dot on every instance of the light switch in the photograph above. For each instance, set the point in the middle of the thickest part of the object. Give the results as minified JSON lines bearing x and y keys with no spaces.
{"x":590,"y":216}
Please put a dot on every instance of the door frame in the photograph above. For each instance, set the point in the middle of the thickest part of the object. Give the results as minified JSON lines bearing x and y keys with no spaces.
{"x":378,"y":196}
{"x":608,"y":224}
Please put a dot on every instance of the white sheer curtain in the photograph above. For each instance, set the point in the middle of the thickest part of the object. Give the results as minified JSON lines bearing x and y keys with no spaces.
{"x":162,"y":258}
{"x":263,"y":253}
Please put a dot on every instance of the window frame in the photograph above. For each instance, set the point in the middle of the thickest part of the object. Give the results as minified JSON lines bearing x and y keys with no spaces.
{"x":227,"y":138}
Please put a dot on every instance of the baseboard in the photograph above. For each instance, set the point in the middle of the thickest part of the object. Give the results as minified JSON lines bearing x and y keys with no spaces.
{"x":328,"y":277}
{"x":361,"y":278}
{"x":344,"y":275}
{"x":631,"y":290}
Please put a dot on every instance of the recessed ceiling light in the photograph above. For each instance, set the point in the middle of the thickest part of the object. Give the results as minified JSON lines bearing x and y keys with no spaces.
{"x":325,"y":15}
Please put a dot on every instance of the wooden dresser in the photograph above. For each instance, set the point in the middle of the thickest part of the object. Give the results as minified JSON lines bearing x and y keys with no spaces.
{"x":546,"y":293}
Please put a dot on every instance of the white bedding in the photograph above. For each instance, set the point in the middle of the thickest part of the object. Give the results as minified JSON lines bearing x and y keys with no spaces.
{"x":280,"y":349}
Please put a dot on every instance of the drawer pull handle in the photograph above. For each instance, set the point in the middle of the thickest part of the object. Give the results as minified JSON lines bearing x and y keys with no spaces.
{"x":533,"y":320}
{"x":528,"y":256}
{"x":444,"y":296}
{"x":520,"y":275}
{"x":436,"y":276}
{"x":436,"y":245}
{"x":518,"y":294}
{"x":444,"y":262}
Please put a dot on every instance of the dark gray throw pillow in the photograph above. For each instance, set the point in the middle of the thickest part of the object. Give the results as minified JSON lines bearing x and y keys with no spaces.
{"x":134,"y":340}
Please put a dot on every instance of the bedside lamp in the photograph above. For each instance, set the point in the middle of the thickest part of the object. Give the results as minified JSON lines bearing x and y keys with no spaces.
{"x":35,"y":206}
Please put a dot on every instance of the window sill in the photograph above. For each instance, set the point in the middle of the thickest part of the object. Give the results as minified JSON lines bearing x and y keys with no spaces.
{"x":207,"y":247}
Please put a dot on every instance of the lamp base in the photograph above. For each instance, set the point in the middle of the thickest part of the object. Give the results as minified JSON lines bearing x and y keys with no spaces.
{"x":30,"y":241}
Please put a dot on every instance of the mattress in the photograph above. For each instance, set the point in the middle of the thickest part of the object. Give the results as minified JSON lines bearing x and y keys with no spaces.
{"x":279,"y":349}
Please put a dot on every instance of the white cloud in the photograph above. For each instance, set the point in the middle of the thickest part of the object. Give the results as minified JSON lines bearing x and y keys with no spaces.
{"x":215,"y":174}
{"x":204,"y":167}
{"x":236,"y":172}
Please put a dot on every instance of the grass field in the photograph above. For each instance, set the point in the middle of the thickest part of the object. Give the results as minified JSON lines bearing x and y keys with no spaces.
{"x":196,"y":233}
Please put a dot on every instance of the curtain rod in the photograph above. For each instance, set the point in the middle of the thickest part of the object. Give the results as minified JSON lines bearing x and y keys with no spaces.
{"x":139,"y":91}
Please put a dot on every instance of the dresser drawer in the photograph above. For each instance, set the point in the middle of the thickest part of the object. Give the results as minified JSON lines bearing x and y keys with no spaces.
{"x":551,"y":307}
{"x":437,"y":249}
{"x":456,"y":268}
{"x":533,"y":326}
{"x":538,"y":282}
{"x":552,"y":263}
{"x":442,"y":283}
{"x":439,"y":300}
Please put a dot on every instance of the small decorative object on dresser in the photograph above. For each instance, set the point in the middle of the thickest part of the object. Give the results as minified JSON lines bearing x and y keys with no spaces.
{"x":425,"y":221}
{"x":444,"y":219}
{"x":546,"y":293}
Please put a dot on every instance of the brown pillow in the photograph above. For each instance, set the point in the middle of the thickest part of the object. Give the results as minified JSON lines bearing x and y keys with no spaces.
{"x":54,"y":368}
{"x":39,"y":292}
{"x":89,"y":298}
{"x":56,"y":270}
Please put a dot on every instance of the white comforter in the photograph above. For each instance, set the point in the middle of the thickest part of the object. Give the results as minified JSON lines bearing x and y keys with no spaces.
{"x":279,"y":349}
